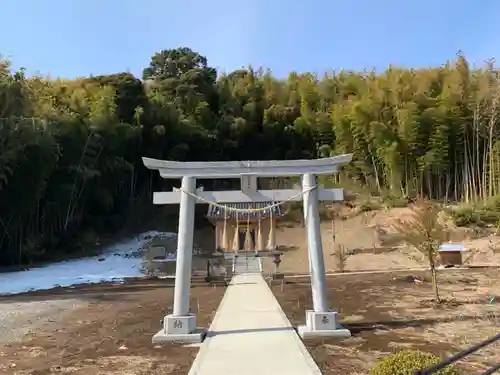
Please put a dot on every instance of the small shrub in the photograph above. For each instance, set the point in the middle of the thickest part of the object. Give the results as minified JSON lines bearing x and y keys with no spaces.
{"x":394,"y":201}
{"x":341,"y":255}
{"x":293,"y":212}
{"x":407,"y":361}
{"x":483,"y":214}
{"x":474,"y":216}
{"x":423,"y":230}
{"x":369,"y":205}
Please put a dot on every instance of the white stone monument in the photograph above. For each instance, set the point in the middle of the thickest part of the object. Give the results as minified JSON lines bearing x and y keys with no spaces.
{"x":180,"y":326}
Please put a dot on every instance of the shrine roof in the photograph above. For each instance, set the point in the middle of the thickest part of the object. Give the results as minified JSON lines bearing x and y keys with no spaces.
{"x":217,"y":212}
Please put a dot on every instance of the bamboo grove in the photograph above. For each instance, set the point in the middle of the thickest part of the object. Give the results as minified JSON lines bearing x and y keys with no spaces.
{"x":70,"y":149}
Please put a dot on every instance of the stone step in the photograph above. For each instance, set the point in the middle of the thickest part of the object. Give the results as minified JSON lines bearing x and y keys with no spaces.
{"x":246,"y":265}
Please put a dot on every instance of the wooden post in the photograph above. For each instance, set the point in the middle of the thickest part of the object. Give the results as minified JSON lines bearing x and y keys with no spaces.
{"x":217,"y":235}
{"x":260,"y":239}
{"x":271,"y":245}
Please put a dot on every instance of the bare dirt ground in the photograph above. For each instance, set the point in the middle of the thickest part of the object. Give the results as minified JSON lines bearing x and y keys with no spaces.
{"x":356,"y":238}
{"x":107,"y":329}
{"x":97,"y":329}
{"x":389,"y":312}
{"x":367,"y":237}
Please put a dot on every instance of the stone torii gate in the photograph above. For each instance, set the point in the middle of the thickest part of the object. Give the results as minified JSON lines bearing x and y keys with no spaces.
{"x":180,"y":326}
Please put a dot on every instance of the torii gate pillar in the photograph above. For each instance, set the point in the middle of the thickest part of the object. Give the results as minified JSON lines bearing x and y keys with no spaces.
{"x":320,"y":321}
{"x":180,"y":326}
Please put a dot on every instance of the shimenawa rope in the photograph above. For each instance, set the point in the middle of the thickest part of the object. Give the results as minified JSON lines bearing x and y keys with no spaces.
{"x":244,"y":210}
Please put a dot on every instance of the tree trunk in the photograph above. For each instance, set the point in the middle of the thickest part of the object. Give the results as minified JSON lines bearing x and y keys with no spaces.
{"x":435,"y":288}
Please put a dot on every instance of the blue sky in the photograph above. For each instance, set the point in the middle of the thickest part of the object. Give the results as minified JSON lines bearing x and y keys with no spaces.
{"x":70,"y":38}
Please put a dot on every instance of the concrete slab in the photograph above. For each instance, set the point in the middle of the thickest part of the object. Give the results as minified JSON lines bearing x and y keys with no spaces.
{"x":306,"y":333}
{"x":195,"y":337}
{"x":250,"y":334}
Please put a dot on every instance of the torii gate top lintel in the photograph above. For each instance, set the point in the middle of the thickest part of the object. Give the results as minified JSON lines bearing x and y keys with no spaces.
{"x":248,"y":172}
{"x":257,"y":168}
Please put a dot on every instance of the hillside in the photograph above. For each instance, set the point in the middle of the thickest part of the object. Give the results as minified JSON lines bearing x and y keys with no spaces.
{"x":370,"y":243}
{"x":70,"y":160}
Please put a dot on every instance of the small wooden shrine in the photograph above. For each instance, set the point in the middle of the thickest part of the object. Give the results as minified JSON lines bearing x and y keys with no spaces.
{"x":245,"y":231}
{"x":451,"y":254}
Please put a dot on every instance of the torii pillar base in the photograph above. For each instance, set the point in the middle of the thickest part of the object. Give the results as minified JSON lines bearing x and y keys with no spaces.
{"x":322,"y":324}
{"x":179,"y":329}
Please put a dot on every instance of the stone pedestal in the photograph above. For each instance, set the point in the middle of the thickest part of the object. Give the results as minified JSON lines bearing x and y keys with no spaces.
{"x":215,"y":268}
{"x":180,"y":329}
{"x":322,"y":324}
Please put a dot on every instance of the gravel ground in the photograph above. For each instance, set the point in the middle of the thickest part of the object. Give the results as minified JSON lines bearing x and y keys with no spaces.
{"x":99,"y":329}
{"x":18,"y":319}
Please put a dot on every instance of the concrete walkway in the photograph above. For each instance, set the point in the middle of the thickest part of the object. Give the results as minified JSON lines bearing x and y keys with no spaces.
{"x":250,"y":335}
